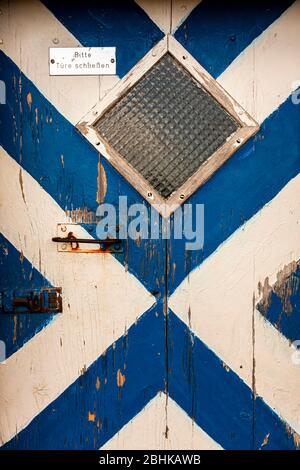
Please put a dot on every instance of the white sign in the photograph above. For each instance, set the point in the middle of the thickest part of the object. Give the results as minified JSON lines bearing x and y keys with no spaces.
{"x":82,"y":60}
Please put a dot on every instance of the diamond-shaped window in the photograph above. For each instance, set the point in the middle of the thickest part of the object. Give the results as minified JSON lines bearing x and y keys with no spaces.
{"x":167,"y":126}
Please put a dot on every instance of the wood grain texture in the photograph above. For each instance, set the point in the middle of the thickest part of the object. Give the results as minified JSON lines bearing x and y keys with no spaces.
{"x":84,"y":352}
{"x":93,"y":318}
{"x":264,"y":74}
{"x":216,"y":301}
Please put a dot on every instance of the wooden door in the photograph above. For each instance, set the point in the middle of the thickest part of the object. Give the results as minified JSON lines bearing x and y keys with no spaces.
{"x":158,"y":346}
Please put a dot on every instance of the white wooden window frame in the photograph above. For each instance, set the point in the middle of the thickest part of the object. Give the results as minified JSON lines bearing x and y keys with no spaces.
{"x":248,"y":126}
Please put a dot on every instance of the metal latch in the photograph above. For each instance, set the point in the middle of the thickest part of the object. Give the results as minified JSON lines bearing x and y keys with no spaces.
{"x":70,"y":239}
{"x":44,"y":300}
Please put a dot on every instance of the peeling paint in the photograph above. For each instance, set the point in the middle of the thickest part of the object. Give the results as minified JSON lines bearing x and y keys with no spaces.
{"x":91,"y":416}
{"x":101,"y":183}
{"x":284,"y":287}
{"x":29,"y":100}
{"x":265,"y":441}
{"x":190,"y":316}
{"x":279,"y":303}
{"x":15,"y":329}
{"x":98,"y":383}
{"x":21,"y":185}
{"x":295,"y":436}
{"x":36,"y":116}
{"x":265,"y":291}
{"x":82,"y":127}
{"x":81,"y":215}
{"x":120,"y":378}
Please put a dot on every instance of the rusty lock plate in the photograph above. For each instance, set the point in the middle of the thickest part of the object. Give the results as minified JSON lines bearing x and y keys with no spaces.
{"x":44,"y":300}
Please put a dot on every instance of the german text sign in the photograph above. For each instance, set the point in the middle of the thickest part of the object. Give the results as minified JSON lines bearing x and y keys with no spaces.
{"x":82,"y":60}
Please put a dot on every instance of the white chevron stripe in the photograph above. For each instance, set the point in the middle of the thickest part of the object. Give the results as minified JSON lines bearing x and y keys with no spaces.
{"x":262,"y":76}
{"x":147,"y":430}
{"x":217,"y":299}
{"x":101,"y":300}
{"x":28,"y":29}
{"x":168,"y":15}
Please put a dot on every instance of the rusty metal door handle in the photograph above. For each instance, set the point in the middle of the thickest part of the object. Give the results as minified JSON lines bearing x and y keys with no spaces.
{"x":106,"y":245}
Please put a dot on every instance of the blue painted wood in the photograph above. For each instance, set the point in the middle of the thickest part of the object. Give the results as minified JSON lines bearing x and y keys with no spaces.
{"x":69,"y":423}
{"x":216,"y":32}
{"x":17,"y":273}
{"x":256,"y":173}
{"x":216,"y":398}
{"x":72,"y":185}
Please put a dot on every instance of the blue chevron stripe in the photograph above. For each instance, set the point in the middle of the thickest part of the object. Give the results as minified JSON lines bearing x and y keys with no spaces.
{"x":243,"y":185}
{"x":121,"y":24}
{"x":217,"y":399}
{"x":215,"y":32}
{"x":281,"y":307}
{"x":73,"y":184}
{"x":94,"y":407}
{"x":17,"y":273}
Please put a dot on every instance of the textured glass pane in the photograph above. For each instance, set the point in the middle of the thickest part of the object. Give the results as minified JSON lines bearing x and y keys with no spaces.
{"x":166,"y":126}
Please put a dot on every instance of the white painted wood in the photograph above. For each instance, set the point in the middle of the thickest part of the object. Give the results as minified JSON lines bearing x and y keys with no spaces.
{"x":262,"y":76}
{"x":181,"y":9}
{"x":216,"y":301}
{"x":147,"y":430}
{"x":92,"y":317}
{"x":159,"y":11}
{"x":28,"y":29}
{"x":168,"y":15}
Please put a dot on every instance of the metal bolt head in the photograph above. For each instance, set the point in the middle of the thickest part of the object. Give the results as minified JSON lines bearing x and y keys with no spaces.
{"x":64,"y":246}
{"x":63,"y":228}
{"x":55,"y":40}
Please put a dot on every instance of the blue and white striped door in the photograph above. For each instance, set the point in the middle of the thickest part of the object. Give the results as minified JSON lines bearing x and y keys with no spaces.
{"x":157,"y":347}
